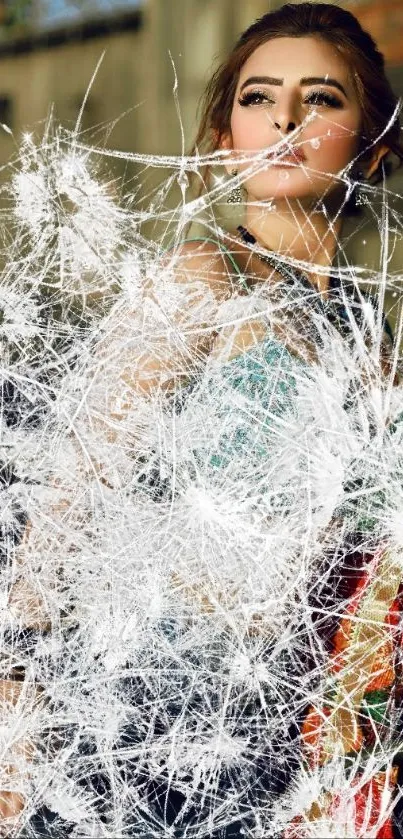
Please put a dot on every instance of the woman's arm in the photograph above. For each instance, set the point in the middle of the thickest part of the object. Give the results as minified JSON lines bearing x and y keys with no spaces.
{"x":177,"y":320}
{"x":15,"y":699}
{"x":19,"y":698}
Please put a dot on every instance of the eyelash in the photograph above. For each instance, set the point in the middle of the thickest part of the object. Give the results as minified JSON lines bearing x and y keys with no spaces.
{"x":319,"y":97}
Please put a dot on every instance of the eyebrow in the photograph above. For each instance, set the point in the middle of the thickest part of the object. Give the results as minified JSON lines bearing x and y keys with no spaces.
{"x":325,"y":80}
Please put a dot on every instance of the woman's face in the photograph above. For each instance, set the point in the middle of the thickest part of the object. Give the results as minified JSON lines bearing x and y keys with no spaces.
{"x":297,"y":92}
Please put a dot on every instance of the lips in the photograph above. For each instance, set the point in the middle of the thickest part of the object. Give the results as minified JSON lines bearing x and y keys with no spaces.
{"x":292,"y":155}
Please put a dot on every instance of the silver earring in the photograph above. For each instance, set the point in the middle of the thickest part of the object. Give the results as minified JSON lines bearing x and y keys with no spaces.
{"x":235,"y":196}
{"x":361,"y":199}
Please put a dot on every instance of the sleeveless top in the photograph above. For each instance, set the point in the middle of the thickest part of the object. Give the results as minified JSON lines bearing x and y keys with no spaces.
{"x":264,"y":375}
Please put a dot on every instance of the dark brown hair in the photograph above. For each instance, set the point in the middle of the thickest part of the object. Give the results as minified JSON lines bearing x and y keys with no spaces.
{"x":333,"y":25}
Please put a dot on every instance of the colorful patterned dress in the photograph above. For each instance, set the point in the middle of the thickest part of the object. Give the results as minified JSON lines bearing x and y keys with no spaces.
{"x":360,"y":713}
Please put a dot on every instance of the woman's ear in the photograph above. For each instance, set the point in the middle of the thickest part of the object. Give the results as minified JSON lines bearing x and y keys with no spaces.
{"x":225,"y":144}
{"x":379,"y":153}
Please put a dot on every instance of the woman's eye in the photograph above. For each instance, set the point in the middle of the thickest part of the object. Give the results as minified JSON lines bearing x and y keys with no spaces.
{"x":323,"y":98}
{"x":255,"y":97}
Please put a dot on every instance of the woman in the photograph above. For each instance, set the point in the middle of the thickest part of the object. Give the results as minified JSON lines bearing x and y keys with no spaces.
{"x":302,"y":89}
{"x":303,"y":116}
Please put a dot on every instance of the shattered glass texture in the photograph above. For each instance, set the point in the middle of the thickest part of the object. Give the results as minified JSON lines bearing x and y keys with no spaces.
{"x":170,"y":560}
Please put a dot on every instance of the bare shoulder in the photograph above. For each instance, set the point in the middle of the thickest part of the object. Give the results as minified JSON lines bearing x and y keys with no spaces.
{"x":205,"y":262}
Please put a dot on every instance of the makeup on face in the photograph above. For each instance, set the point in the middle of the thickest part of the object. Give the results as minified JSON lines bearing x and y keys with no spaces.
{"x":295,"y":99}
{"x":291,"y":156}
{"x":326,"y":81}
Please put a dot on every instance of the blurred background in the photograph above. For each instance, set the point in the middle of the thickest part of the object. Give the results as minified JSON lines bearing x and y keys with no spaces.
{"x":49,"y":50}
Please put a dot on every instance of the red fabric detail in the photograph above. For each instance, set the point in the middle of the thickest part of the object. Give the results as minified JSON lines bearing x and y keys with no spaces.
{"x":372,"y":791}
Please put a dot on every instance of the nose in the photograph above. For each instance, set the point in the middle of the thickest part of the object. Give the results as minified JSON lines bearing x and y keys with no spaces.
{"x":287,"y":128}
{"x":286,"y":116}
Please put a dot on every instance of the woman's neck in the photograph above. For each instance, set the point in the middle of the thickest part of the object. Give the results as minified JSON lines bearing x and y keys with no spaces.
{"x":291,"y":230}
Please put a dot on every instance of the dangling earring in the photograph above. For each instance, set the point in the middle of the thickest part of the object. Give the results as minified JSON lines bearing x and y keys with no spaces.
{"x":235,"y":196}
{"x":361,"y":200}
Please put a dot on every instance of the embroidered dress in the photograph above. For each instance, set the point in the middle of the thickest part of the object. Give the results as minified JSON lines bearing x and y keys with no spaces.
{"x":361,"y":711}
